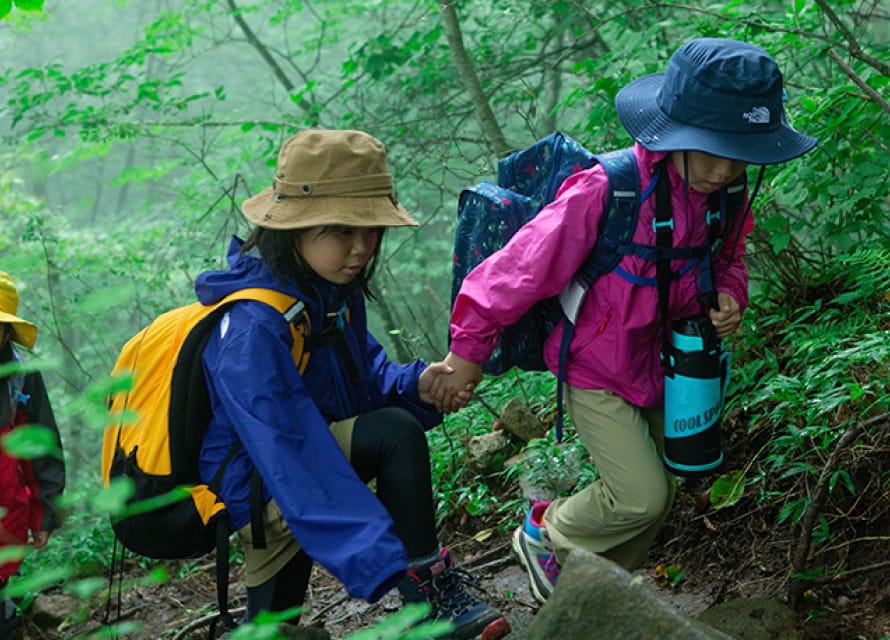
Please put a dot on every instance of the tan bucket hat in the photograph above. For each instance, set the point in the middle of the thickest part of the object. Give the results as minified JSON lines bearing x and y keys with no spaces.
{"x":328,"y":177}
{"x":23,"y":331}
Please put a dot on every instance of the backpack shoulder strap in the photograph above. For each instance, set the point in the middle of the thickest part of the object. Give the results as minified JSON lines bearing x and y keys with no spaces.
{"x":616,"y":228}
{"x":294,"y":312}
{"x":17,"y":393}
{"x":189,"y":402}
{"x":622,"y":207}
{"x":726,"y":209}
{"x":14,"y":387}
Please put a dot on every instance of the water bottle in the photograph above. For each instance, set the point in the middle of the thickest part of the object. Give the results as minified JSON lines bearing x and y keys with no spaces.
{"x":696,"y":377}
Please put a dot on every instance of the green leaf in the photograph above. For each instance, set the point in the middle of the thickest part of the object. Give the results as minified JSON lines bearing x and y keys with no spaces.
{"x":158,"y":502}
{"x":86,"y":587}
{"x":5,"y":8}
{"x":29,"y":5}
{"x":114,"y":497}
{"x":779,"y":241}
{"x":12,"y":553}
{"x":31,"y":441}
{"x":33,"y":583}
{"x":29,"y":366}
{"x":728,"y":489}
{"x":109,"y":385}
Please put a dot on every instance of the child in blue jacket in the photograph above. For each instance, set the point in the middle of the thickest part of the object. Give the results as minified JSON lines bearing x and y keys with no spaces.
{"x":313,"y":440}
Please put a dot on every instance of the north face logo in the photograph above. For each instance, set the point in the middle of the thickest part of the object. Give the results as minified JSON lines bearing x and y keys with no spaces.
{"x":757,"y":115}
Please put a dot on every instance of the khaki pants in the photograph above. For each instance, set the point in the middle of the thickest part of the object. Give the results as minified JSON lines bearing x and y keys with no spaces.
{"x":261,"y":564}
{"x":620,"y":513}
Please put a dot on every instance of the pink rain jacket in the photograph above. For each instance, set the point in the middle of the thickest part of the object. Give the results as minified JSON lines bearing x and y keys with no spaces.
{"x":618,"y":337}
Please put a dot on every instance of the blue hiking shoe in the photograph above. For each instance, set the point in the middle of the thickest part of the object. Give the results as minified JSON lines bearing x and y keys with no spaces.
{"x":533,"y":548}
{"x":445,"y":586}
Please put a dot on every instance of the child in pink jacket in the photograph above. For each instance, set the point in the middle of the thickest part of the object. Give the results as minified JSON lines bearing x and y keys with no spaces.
{"x":718,"y":108}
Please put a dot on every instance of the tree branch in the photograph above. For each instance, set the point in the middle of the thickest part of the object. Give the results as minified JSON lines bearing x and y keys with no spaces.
{"x":874,"y":95}
{"x":468,"y":76}
{"x":265,"y":54}
{"x":852,"y":44}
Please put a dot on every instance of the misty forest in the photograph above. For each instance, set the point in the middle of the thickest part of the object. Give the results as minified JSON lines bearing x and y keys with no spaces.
{"x":131,"y":132}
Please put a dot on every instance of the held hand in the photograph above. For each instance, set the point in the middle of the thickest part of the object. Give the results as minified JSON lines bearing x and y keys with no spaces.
{"x":432,"y":379}
{"x":727,"y":319}
{"x":428,"y":380}
{"x":452,"y":391}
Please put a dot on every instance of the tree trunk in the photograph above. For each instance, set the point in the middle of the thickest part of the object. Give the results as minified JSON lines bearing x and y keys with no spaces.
{"x":468,"y":76}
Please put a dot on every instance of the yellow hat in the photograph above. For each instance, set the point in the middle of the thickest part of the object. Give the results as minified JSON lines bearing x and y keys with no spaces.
{"x":23,"y":331}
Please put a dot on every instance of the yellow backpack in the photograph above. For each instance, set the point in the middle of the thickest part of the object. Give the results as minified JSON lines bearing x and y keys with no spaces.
{"x":171,"y":514}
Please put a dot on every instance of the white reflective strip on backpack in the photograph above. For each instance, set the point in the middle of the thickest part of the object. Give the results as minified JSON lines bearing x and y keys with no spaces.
{"x":295,"y":310}
{"x":571,"y":298}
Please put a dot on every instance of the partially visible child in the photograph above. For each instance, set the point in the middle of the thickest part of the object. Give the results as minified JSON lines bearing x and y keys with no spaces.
{"x":309,"y":441}
{"x":717,"y":109}
{"x":28,"y":488}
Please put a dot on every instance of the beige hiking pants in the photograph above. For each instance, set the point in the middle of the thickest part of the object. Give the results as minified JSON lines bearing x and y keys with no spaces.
{"x":619,"y":514}
{"x":261,"y":564}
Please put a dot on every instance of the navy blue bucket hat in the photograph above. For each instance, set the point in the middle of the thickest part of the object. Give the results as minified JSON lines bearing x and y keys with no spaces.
{"x":719,"y":96}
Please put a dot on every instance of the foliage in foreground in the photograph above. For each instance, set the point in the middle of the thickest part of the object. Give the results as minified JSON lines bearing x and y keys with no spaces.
{"x":175,"y":148}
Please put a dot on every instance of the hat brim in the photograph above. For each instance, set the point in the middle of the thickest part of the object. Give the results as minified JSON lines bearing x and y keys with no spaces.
{"x":642,"y":118}
{"x":266,"y":210}
{"x":23,"y":332}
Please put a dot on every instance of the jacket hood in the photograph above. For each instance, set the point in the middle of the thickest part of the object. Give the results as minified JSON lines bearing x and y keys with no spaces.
{"x":244,"y":272}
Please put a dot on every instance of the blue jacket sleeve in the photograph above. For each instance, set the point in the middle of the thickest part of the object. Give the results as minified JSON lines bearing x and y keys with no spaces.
{"x":397,"y":384}
{"x":258,"y":391}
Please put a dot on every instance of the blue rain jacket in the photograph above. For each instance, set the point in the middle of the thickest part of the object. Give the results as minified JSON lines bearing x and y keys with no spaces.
{"x":259,"y":398}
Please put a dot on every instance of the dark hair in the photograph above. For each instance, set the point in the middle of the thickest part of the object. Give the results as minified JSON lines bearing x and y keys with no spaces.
{"x":279,"y":250}
{"x":6,"y":352}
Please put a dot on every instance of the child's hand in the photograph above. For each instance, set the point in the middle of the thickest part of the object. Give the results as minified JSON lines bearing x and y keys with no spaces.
{"x":428,"y":378}
{"x":39,"y":539}
{"x":727,"y":319}
{"x":431,"y":378}
{"x":453,"y":391}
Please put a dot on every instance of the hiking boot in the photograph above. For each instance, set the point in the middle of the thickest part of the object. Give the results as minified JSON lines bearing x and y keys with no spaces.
{"x":533,"y":548}
{"x":445,"y":586}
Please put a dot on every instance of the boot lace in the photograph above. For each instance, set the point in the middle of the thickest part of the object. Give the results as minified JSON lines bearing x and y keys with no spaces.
{"x":448,"y":592}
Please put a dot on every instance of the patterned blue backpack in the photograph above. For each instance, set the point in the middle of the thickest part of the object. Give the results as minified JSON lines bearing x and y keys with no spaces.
{"x":489,"y":214}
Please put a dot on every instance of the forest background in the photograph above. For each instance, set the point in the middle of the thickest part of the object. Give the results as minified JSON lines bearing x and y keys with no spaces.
{"x":130,"y":132}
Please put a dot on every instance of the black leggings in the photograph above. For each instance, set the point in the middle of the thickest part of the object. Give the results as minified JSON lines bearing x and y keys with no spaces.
{"x":390,"y":445}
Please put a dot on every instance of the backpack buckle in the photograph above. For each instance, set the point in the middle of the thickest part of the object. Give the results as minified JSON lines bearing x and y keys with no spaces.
{"x":658,"y":225}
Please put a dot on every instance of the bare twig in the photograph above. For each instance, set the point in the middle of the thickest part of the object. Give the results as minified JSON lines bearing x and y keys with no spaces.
{"x":320,"y":613}
{"x":849,"y":573}
{"x":203,"y":622}
{"x":852,"y":44}
{"x":814,"y":508}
